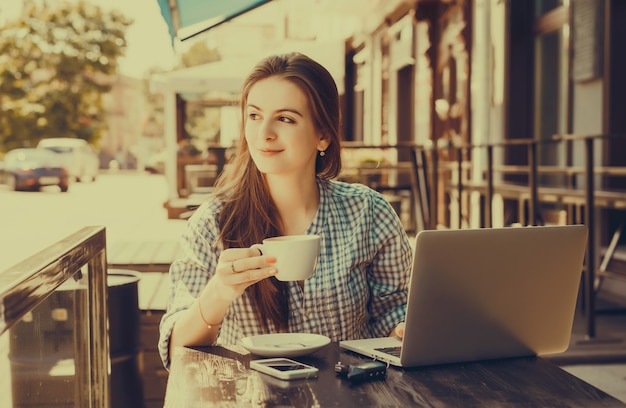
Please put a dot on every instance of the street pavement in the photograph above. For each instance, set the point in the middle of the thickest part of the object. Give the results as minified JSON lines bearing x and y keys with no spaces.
{"x":128,"y":204}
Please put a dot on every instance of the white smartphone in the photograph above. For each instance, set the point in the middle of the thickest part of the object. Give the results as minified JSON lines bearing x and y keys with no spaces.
{"x":284,"y":368}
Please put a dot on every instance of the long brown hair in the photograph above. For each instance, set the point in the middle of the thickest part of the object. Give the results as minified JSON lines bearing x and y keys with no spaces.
{"x":249,"y":214}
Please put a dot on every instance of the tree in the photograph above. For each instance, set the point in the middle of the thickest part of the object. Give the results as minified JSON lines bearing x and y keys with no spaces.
{"x":199,"y":54}
{"x":56,"y":63}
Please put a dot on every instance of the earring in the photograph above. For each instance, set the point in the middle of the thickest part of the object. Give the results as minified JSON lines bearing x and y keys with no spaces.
{"x":322,"y":153}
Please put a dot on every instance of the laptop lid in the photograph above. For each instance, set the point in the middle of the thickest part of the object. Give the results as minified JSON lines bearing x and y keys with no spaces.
{"x":479,"y":294}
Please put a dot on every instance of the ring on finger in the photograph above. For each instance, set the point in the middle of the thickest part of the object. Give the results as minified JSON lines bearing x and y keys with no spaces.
{"x":232,"y":267}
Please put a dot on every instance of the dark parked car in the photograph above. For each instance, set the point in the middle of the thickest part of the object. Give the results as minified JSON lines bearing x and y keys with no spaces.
{"x":30,"y":169}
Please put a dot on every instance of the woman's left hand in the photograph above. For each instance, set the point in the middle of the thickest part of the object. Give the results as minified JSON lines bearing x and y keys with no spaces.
{"x":398,"y":331}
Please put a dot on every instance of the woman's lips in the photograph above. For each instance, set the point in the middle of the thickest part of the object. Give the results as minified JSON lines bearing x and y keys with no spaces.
{"x":269,"y":152}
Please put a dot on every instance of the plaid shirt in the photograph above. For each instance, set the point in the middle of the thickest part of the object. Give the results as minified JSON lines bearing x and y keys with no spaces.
{"x":360,"y":285}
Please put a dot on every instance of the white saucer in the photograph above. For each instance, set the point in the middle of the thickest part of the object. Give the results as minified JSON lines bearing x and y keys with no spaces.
{"x":284,"y":344}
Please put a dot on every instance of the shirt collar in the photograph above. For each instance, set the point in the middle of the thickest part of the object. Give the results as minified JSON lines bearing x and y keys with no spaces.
{"x":323,"y":211}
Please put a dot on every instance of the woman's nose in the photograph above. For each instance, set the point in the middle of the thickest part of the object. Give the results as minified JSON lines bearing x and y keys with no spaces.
{"x":267,"y":130}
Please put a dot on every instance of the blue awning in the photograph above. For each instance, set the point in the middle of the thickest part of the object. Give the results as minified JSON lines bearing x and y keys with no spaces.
{"x":187,"y":18}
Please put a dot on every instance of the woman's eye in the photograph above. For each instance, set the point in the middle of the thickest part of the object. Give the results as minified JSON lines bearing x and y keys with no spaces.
{"x":285,"y":119}
{"x":253,"y":116}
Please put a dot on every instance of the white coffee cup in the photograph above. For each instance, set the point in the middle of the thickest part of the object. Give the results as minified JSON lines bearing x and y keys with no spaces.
{"x":296,"y":255}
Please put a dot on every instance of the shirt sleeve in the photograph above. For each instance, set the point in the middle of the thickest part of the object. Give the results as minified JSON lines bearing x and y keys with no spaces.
{"x":389,"y":272}
{"x":190,"y":274}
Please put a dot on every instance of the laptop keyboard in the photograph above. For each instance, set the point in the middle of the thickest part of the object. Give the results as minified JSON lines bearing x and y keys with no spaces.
{"x":394,"y":351}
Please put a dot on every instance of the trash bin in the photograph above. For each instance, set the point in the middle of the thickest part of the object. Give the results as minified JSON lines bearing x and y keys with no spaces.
{"x":41,"y":346}
{"x":124,"y":342}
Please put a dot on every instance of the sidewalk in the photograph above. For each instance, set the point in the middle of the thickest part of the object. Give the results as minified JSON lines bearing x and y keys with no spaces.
{"x":143,"y":239}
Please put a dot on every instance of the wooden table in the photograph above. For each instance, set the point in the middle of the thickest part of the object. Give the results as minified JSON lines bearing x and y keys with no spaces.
{"x":217,"y":376}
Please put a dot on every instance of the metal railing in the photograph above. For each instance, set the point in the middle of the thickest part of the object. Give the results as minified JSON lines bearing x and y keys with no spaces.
{"x":441,"y":173}
{"x":452,"y":176}
{"x":26,"y":285}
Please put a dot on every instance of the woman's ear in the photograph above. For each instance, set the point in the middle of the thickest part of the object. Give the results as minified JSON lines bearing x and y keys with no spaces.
{"x":323,"y":143}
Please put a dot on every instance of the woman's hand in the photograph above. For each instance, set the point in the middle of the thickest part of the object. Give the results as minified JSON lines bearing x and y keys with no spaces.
{"x":398,"y":331}
{"x":238,"y":268}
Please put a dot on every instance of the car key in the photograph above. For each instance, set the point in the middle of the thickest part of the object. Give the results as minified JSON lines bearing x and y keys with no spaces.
{"x":371,"y":370}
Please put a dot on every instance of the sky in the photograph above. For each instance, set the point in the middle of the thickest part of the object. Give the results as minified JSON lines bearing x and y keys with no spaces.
{"x":149,"y":43}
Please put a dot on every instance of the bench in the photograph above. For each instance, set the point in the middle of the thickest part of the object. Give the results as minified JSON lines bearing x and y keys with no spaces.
{"x":143,"y":256}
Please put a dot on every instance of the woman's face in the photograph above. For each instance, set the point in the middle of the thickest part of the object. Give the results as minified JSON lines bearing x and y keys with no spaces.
{"x":279,"y":129}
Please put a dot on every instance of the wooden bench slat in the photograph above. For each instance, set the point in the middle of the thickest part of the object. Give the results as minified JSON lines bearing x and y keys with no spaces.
{"x":125,"y":252}
{"x":144,"y":256}
{"x":167,"y":252}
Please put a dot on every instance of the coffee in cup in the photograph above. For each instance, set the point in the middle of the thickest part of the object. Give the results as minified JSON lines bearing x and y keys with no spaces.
{"x":296,"y":255}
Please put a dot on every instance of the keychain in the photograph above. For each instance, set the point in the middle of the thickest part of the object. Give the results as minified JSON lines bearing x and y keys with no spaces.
{"x":371,"y":370}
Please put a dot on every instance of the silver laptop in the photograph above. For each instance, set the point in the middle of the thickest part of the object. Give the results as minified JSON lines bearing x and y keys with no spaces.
{"x":478,"y":294}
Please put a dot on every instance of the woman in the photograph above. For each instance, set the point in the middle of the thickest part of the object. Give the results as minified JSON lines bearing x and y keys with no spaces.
{"x":279,"y":182}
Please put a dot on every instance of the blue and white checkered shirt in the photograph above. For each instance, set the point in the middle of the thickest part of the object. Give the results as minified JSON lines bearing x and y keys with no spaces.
{"x":360,"y":285}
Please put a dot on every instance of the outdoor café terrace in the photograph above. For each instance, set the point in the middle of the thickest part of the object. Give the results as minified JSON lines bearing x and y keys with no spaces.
{"x":53,"y":305}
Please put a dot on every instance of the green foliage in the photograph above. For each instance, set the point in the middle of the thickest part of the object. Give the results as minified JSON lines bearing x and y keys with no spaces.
{"x":199,"y":54}
{"x":56,"y":63}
